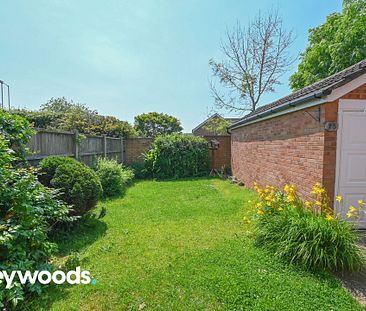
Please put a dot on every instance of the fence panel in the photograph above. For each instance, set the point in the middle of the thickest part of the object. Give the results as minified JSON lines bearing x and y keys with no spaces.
{"x":54,"y":142}
{"x":48,"y":142}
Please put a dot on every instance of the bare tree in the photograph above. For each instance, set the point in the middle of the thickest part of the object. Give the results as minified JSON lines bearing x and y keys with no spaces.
{"x":256,"y":57}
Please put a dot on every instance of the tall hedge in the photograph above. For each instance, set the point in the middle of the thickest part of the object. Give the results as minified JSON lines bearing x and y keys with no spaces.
{"x":177,"y":156}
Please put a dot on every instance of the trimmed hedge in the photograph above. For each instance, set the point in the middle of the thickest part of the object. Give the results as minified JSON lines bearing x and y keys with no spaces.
{"x":80,"y":186}
{"x":177,"y":156}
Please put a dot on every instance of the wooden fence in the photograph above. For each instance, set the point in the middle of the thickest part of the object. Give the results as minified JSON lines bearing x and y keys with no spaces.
{"x":85,"y":148}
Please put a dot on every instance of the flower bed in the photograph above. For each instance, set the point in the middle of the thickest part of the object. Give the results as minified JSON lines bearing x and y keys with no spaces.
{"x":308,"y":233}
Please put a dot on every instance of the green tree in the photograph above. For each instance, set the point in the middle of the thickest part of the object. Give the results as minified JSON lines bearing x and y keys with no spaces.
{"x":153,"y":124}
{"x":217,"y":126}
{"x":333,"y":46}
{"x":60,"y":113}
{"x":62,"y":105}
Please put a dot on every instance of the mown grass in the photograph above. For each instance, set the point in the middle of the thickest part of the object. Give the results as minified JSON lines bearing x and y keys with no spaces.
{"x":182,"y":245}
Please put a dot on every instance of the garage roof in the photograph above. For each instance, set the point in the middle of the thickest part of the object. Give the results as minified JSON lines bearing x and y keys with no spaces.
{"x":317,"y":90}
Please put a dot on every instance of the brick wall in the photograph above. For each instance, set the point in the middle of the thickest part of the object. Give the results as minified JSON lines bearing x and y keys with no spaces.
{"x":134,"y":147}
{"x":286,"y":149}
{"x":220,"y":157}
{"x":293,"y":148}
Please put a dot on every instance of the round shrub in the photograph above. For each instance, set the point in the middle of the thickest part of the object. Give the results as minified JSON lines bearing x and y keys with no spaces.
{"x":79,"y":185}
{"x":177,"y":156}
{"x":49,"y":166}
{"x":113,"y":177}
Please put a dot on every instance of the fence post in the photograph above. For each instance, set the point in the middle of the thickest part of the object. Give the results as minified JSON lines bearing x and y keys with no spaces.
{"x":76,"y":145}
{"x":105,"y":145}
{"x":122,"y":150}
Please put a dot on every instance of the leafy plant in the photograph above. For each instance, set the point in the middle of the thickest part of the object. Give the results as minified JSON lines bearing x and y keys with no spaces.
{"x":113,"y":176}
{"x":177,"y":156}
{"x":79,"y":185}
{"x":28,"y":213}
{"x":309,"y":233}
{"x":17,"y":132}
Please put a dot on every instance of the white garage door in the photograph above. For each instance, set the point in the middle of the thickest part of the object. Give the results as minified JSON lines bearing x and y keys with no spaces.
{"x":351,"y":155}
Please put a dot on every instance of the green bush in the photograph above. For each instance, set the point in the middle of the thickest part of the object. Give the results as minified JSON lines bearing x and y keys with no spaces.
{"x":17,"y":131}
{"x":138,"y":169}
{"x":28,"y":213}
{"x":177,"y":156}
{"x":49,"y":166}
{"x":314,"y":239}
{"x":113,"y":177}
{"x":79,"y":185}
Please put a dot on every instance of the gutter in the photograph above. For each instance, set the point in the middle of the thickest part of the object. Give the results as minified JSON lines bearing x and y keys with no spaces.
{"x":282,"y":107}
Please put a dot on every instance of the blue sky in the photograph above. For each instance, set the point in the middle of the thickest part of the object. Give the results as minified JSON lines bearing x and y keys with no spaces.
{"x":124,"y":58}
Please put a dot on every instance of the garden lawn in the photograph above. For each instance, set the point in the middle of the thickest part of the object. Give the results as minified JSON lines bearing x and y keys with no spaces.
{"x":182,"y":245}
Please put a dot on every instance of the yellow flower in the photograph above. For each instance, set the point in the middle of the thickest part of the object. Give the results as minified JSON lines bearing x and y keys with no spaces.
{"x":287,"y":188}
{"x":361,"y":202}
{"x":307,"y":203}
{"x":259,"y":205}
{"x":318,"y":203}
{"x":352,"y":208}
{"x":260,"y":212}
{"x":246,"y":220}
{"x":291,"y":197}
{"x":349,"y":215}
{"x":329,"y":217}
{"x":339,"y":198}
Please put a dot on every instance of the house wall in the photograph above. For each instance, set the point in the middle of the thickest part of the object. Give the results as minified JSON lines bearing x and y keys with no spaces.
{"x":286,"y":149}
{"x":292,"y":148}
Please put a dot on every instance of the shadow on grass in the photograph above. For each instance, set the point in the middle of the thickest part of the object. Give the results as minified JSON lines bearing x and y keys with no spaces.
{"x":79,"y":236}
{"x":69,"y":240}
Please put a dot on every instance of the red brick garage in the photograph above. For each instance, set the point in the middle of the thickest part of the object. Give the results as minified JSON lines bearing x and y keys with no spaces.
{"x":317,"y":134}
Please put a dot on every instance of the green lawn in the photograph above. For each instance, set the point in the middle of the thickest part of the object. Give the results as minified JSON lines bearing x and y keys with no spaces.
{"x":182,"y":245}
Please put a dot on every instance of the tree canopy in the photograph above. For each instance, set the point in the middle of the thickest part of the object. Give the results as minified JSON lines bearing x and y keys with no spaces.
{"x":333,"y":46}
{"x":60,"y":113}
{"x":153,"y":124}
{"x":217,"y":125}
